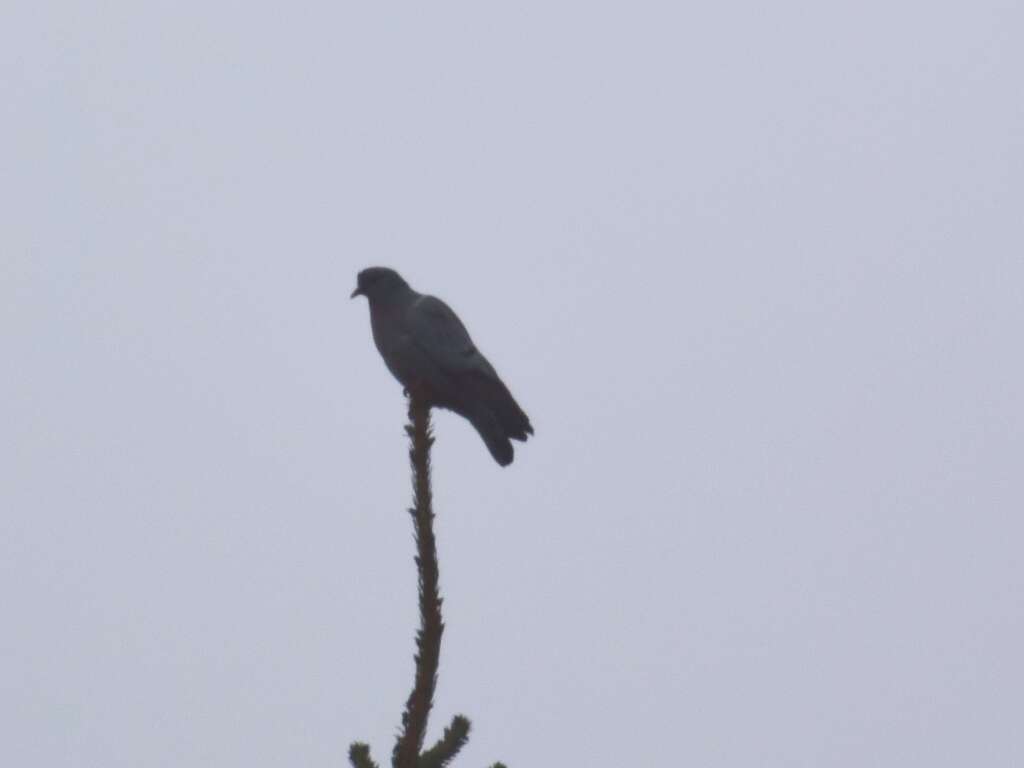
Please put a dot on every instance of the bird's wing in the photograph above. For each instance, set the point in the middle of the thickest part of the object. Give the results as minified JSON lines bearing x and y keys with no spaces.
{"x":480,"y":395}
{"x":437,"y":330}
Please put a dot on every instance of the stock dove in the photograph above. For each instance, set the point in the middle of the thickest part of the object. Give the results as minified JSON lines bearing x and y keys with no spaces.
{"x":427,"y":348}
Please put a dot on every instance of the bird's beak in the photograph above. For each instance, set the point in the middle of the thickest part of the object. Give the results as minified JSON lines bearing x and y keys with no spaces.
{"x":355,"y":293}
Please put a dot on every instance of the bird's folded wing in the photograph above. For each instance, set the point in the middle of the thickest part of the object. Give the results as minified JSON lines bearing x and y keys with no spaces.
{"x":437,"y":330}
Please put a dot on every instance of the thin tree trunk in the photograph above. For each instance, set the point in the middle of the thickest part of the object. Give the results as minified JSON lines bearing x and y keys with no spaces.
{"x":428,"y":638}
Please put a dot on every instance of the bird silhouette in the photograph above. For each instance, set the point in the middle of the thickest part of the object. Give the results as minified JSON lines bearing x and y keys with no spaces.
{"x":427,"y":348}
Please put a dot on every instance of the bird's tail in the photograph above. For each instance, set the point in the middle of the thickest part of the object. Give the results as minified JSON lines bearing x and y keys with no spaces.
{"x":493,"y":434}
{"x":492,"y":410}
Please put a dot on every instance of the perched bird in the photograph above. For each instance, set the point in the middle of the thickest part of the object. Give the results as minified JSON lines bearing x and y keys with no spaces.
{"x":427,"y":348}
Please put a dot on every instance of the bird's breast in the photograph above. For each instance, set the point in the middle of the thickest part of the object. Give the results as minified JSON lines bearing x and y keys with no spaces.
{"x":394,"y":344}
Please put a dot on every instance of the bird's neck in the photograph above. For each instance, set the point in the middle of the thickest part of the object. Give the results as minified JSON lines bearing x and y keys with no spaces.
{"x":399,"y":297}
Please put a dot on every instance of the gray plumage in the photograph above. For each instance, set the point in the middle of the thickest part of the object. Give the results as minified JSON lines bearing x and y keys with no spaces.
{"x":427,"y":348}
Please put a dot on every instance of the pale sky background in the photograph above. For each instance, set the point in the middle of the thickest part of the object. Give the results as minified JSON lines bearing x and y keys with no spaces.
{"x":755,"y":271}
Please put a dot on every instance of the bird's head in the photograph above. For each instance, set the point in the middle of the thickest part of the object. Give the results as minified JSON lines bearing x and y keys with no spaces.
{"x":378,"y":283}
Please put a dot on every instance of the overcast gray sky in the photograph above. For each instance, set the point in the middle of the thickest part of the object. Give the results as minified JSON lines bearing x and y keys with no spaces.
{"x":755,"y":271}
